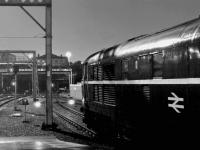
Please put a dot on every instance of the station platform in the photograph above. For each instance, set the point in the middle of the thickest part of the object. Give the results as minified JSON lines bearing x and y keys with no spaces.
{"x":38,"y":143}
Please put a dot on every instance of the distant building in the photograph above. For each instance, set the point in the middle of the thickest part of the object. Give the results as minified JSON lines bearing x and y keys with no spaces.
{"x":7,"y":57}
{"x":59,"y":80}
{"x":57,"y":61}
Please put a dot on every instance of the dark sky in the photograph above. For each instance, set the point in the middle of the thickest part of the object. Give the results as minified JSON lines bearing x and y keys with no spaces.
{"x":86,"y":26}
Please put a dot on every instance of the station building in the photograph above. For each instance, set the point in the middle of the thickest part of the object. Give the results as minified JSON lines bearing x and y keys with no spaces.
{"x":60,"y":74}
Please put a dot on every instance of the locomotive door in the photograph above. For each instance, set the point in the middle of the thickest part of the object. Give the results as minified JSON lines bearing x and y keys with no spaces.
{"x":157,"y":65}
{"x":157,"y":104}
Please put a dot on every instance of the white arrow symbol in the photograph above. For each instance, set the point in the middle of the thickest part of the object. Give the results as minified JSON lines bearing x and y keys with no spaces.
{"x":174,"y":105}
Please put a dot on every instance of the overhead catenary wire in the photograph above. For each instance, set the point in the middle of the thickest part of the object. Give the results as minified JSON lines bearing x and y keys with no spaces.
{"x":21,"y":37}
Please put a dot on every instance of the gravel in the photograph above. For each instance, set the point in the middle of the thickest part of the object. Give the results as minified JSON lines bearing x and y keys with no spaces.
{"x":12,"y":122}
{"x":12,"y":125}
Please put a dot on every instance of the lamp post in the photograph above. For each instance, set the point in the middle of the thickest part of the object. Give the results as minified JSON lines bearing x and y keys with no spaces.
{"x":14,"y":84}
{"x":68,"y":55}
{"x":31,"y":57}
{"x":15,"y":71}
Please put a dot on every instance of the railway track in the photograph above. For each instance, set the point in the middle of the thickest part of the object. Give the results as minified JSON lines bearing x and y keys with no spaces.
{"x":7,"y":99}
{"x":71,"y":110}
{"x":80,"y":128}
{"x":2,"y":98}
{"x":82,"y":132}
{"x":73,"y":118}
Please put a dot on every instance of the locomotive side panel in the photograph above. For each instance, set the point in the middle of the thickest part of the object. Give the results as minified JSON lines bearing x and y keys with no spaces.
{"x":169,"y":105}
{"x":133,"y":111}
{"x":147,"y":86}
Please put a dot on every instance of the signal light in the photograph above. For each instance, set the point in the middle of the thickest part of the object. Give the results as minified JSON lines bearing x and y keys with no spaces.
{"x":37,"y":104}
{"x":13,"y":83}
{"x":10,"y":69}
{"x":71,"y":102}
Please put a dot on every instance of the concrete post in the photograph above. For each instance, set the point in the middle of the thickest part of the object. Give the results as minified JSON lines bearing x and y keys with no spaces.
{"x":49,"y":106}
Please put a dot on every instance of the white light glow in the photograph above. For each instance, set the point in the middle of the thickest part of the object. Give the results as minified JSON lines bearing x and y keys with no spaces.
{"x":52,"y":85}
{"x":37,"y":104}
{"x":16,"y":115}
{"x":30,"y":55}
{"x":194,"y":52}
{"x":13,"y":83}
{"x":11,"y":69}
{"x":38,"y":143}
{"x":83,"y":100}
{"x":68,"y":54}
{"x":136,"y":48}
{"x":71,"y":102}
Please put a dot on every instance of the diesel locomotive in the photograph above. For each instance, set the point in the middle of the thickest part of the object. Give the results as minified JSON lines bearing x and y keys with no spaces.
{"x":148,"y":85}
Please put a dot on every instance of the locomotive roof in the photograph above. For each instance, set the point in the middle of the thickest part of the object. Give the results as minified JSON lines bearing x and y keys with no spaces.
{"x":164,"y":38}
{"x":103,"y":54}
{"x":107,"y":53}
{"x":93,"y":58}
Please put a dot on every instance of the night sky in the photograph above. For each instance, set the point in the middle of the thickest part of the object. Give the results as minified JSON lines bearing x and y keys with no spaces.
{"x":86,"y":26}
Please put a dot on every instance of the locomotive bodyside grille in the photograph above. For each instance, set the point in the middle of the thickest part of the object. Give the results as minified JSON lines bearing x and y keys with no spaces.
{"x":95,"y":72}
{"x":109,"y":96}
{"x":98,"y":92}
{"x":100,"y":73}
{"x":104,"y":94}
{"x":109,"y":73}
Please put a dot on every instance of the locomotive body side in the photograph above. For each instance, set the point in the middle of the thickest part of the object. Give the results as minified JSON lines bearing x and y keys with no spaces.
{"x":146,"y":86}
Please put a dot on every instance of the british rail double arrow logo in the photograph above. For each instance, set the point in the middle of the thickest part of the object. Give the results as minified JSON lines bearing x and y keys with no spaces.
{"x":175,"y":104}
